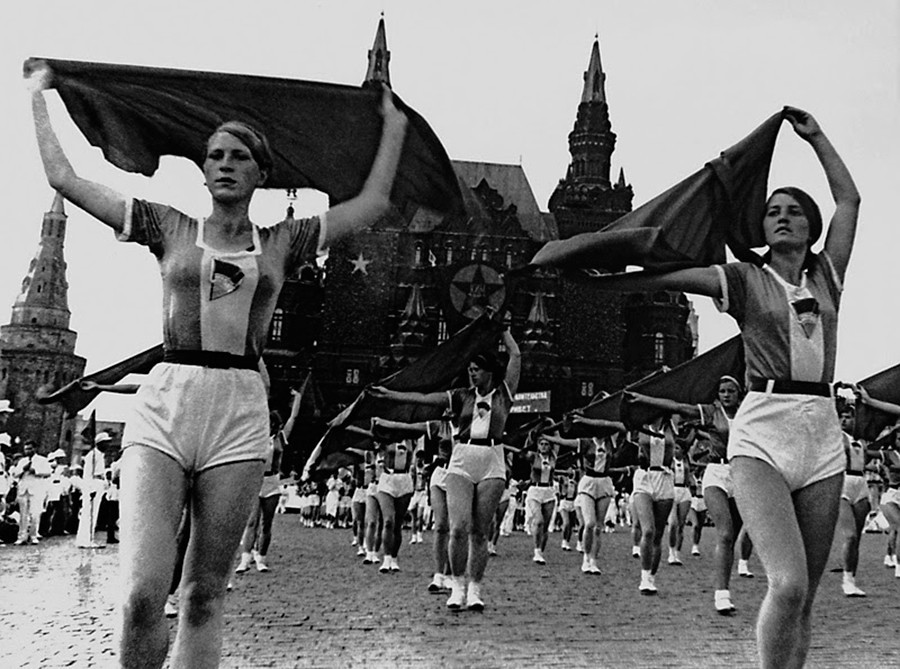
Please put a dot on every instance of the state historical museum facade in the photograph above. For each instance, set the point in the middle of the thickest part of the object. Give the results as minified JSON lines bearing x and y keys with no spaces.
{"x":389,"y":294}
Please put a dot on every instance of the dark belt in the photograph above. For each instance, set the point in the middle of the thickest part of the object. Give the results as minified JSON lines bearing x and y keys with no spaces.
{"x":543,"y":485}
{"x":855,"y":472}
{"x":595,"y":473}
{"x":717,"y":461}
{"x":482,"y":442}
{"x":782,"y":387}
{"x":212,"y":359}
{"x":681,"y":485}
{"x":656,"y":468}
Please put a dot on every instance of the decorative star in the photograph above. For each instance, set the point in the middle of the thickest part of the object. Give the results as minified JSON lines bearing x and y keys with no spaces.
{"x":476,"y":287}
{"x":360,"y":264}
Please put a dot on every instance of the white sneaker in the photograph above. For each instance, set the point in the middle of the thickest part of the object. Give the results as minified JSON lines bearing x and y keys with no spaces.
{"x":890,"y":561}
{"x":635,"y":551}
{"x":244,"y":564}
{"x":353,"y":543}
{"x":674,"y":560}
{"x":394,"y":565}
{"x":744,"y":569}
{"x":586,"y":565}
{"x":897,"y":570}
{"x":385,"y":564}
{"x":724,"y":606}
{"x":260,"y":562}
{"x":230,"y":585}
{"x":695,"y":550}
{"x":594,"y":568}
{"x":538,"y":557}
{"x":437,"y":584}
{"x":579,"y":547}
{"x":648,"y":585}
{"x":473,"y":597}
{"x":418,"y":537}
{"x":457,"y":594}
{"x":851,"y":589}
{"x":171,"y":607}
{"x":565,"y":545}
{"x":360,"y":551}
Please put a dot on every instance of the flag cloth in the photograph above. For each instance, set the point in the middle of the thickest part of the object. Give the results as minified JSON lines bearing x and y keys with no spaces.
{"x":322,"y":136}
{"x":74,"y":398}
{"x":884,"y":386}
{"x":688,"y":225}
{"x":435,"y":371}
{"x":693,"y":382}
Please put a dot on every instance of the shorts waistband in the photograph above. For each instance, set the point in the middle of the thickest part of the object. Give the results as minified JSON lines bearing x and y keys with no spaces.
{"x":595,"y":473}
{"x":482,"y":442}
{"x":785,"y":387}
{"x":855,"y":472}
{"x":681,"y":485}
{"x":543,"y":485}
{"x":717,"y":461}
{"x":212,"y":359}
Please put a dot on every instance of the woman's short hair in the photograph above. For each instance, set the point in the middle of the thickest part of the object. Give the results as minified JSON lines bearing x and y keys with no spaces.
{"x":491,"y":362}
{"x":731,"y":379}
{"x":253,"y":139}
{"x":809,"y":207}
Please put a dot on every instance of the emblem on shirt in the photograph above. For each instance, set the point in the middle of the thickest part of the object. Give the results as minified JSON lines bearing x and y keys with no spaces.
{"x":224,"y":278}
{"x":807,"y":310}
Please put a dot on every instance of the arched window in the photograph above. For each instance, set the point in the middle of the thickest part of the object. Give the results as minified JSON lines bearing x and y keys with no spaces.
{"x":419,"y":254}
{"x":277,"y":329}
{"x":448,"y":248}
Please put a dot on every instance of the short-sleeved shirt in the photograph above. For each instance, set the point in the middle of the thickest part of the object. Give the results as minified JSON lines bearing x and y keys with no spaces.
{"x":856,"y":454}
{"x":480,"y":416}
{"x":716,"y":422}
{"x":595,"y":454}
{"x":543,"y":467}
{"x":217,"y":300}
{"x":789,"y":332}
{"x":657,"y":451}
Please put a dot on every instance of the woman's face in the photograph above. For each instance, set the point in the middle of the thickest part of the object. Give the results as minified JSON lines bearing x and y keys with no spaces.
{"x":478,"y":376}
{"x":230,"y":170}
{"x":729,"y":394}
{"x":785,"y":224}
{"x":543,"y":446}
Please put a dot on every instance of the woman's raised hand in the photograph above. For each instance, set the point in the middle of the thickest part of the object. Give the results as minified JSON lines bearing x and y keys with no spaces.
{"x":803,"y":122}
{"x":38,"y":76}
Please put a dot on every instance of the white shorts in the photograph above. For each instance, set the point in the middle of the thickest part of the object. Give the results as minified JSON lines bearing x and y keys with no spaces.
{"x":419,"y":500}
{"x":332,"y":499}
{"x":659,"y":484}
{"x":567,"y":505}
{"x":359,"y":496}
{"x":372,"y":489}
{"x":698,"y":504}
{"x":271,"y":486}
{"x":855,"y":488}
{"x":891,"y":496}
{"x":596,"y":487}
{"x":477,"y":463}
{"x":718,"y":475}
{"x":682,"y":494}
{"x":199,"y":416}
{"x":799,"y":435}
{"x":438,"y":478}
{"x":395,"y":485}
{"x":537,"y":496}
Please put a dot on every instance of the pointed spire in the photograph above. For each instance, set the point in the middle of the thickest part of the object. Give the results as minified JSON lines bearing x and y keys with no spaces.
{"x":621,"y":182}
{"x":412,"y":330}
{"x":58,"y":206}
{"x":536,"y":337}
{"x":379,"y":58}
{"x":594,"y":78}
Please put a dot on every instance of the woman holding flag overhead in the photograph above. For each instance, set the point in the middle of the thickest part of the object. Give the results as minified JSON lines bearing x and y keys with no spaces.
{"x":199,"y":431}
{"x":476,"y":474}
{"x":785,"y":445}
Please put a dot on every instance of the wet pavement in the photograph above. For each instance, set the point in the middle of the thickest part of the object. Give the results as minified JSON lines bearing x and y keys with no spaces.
{"x":320,"y":606}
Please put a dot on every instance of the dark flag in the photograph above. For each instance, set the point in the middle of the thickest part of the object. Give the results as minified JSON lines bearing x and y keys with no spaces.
{"x":884,"y":386}
{"x":323,"y":136}
{"x":693,"y":382}
{"x":688,"y":225}
{"x":74,"y":398}
{"x":432,"y":372}
{"x":89,"y":433}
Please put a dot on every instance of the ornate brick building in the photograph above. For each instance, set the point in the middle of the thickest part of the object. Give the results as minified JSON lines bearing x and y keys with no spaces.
{"x":416,"y":277}
{"x":37,"y":348}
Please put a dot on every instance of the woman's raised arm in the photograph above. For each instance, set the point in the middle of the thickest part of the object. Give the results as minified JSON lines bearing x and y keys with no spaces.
{"x":99,"y":201}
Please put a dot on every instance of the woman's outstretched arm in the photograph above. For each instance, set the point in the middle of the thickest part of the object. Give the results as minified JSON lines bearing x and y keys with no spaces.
{"x":99,"y":201}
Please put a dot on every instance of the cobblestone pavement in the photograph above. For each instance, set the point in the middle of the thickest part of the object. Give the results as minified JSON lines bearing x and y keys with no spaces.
{"x":320,"y":607}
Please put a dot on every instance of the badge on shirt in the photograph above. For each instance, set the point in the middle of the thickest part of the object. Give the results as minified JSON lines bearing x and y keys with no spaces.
{"x":807,"y":310}
{"x":224,"y":278}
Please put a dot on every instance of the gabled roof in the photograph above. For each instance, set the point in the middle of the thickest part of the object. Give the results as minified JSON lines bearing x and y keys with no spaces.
{"x":512,"y":185}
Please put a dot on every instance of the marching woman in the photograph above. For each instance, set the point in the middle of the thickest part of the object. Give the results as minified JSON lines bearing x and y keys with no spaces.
{"x":718,"y":490}
{"x":476,"y":474}
{"x":684,"y":484}
{"x":258,"y":532}
{"x":541,"y":495}
{"x":221,"y":277}
{"x":785,"y":447}
{"x":358,"y":509}
{"x":569,"y":487}
{"x":595,"y":456}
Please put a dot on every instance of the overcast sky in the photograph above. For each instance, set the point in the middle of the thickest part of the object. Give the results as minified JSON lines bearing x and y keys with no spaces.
{"x":499,"y":81}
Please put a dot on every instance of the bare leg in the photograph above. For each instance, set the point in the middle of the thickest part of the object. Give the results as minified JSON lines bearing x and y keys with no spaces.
{"x":222,"y":499}
{"x":441,"y":529}
{"x":486,"y":498}
{"x":460,"y":497}
{"x":727,"y":523}
{"x":591,"y":527}
{"x":267,"y":506}
{"x":793,"y":534}
{"x":153,"y":496}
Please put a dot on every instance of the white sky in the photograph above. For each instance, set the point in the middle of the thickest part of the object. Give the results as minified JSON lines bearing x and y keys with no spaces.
{"x":498,"y":81}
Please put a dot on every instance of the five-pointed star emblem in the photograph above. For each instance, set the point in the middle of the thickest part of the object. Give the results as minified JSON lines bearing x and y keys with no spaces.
{"x":360,"y":264}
